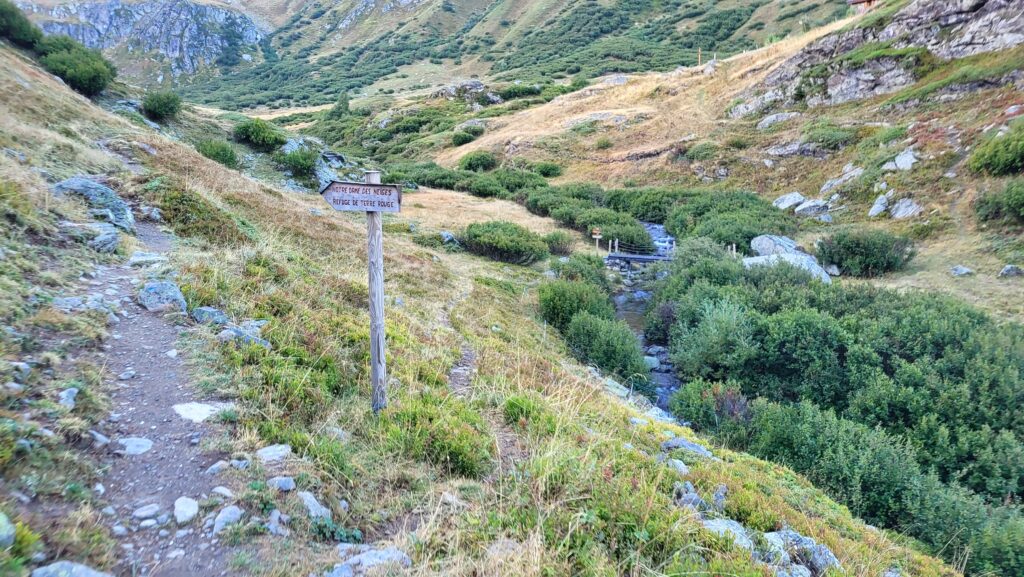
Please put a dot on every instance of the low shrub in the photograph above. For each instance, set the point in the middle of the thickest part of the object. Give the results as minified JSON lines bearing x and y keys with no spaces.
{"x":559,"y":242}
{"x":85,"y":71}
{"x":191,"y":215}
{"x":478,"y":161}
{"x":259,"y":134}
{"x":866,"y":253}
{"x":561,"y":300}
{"x":584,"y":267}
{"x":220,"y":151}
{"x":16,"y":27}
{"x":161,"y":105}
{"x":828,"y":134}
{"x":732,"y":217}
{"x":1006,"y":205}
{"x":473,"y":130}
{"x":609,"y":345}
{"x":443,"y":430}
{"x":1001,"y":155}
{"x":603,"y":143}
{"x":702,"y":151}
{"x":547,"y":169}
{"x":300,"y":162}
{"x":460,"y":138}
{"x":505,"y":241}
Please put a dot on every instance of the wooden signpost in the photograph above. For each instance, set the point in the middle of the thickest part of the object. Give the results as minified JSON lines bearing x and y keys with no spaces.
{"x":373,"y":198}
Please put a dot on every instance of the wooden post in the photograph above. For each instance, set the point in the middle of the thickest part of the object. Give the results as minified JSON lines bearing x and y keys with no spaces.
{"x":375,"y":260}
{"x":616,"y":245}
{"x":699,"y":60}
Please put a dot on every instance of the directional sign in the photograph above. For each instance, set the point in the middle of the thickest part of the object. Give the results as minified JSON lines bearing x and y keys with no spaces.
{"x":362,"y":197}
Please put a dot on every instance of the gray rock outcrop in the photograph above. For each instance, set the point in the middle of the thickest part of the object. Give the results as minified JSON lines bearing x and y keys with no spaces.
{"x":905,"y":208}
{"x":788,"y":201}
{"x":68,"y":569}
{"x":731,"y":530}
{"x":1011,"y":270}
{"x":99,"y":197}
{"x":801,"y":261}
{"x":767,"y":244}
{"x":777,"y":118}
{"x":162,"y":296}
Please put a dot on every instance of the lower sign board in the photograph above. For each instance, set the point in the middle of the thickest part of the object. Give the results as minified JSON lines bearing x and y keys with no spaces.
{"x":363,"y":197}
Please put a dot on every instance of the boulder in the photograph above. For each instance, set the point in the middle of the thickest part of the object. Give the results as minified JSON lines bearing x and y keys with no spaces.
{"x":798,"y":148}
{"x":850,"y":172}
{"x":276,"y":524}
{"x":815,"y":556}
{"x":161,"y":296}
{"x":688,"y":446}
{"x":788,"y":201}
{"x":313,"y":506}
{"x":960,"y":270}
{"x":730,"y":529}
{"x":793,"y":571}
{"x":233,"y":333}
{"x":1011,"y":270}
{"x":101,"y":197}
{"x":880,"y":205}
{"x":805,"y":262}
{"x":812,"y":207}
{"x":209,"y":315}
{"x":905,"y":208}
{"x":66,"y":398}
{"x":106,"y":242}
{"x":283,"y":484}
{"x":185,"y":509}
{"x":777,"y":118}
{"x":767,"y":244}
{"x":227,"y":516}
{"x":68,"y":569}
{"x":904,"y":161}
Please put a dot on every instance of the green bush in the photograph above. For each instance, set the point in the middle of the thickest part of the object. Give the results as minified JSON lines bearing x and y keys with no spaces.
{"x":259,"y":134}
{"x":603,"y":143}
{"x":191,"y":215}
{"x":85,"y":71}
{"x":609,"y":345}
{"x":300,"y":162}
{"x":220,"y":151}
{"x":1007,"y":205}
{"x":16,"y":27}
{"x":719,"y":344}
{"x":505,"y":241}
{"x":478,"y":161}
{"x":1001,"y":155}
{"x":559,"y":242}
{"x":460,"y":138}
{"x":561,"y":300}
{"x":473,"y":130}
{"x":161,"y":105}
{"x":732,"y":217}
{"x":442,"y":429}
{"x":829,"y":135}
{"x":702,"y":151}
{"x":547,"y":169}
{"x":866,"y":253}
{"x":584,"y":267}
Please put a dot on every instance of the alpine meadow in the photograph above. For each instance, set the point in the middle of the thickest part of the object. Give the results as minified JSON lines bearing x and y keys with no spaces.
{"x":511,"y":288}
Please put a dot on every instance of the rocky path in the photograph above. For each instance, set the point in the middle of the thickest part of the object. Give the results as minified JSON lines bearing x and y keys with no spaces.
{"x":153,"y":439}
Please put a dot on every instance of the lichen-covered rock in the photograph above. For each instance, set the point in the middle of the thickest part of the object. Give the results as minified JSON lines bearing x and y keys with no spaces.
{"x":804,"y":262}
{"x":209,"y":315}
{"x":101,"y":197}
{"x":788,"y":201}
{"x":1011,"y":270}
{"x":880,"y":205}
{"x":68,"y":569}
{"x":905,"y":208}
{"x":812,"y":207}
{"x":730,"y":529}
{"x":777,"y":118}
{"x":161,"y":296}
{"x":766,"y":244}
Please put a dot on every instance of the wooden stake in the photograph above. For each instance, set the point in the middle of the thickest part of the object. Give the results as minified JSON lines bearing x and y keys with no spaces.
{"x":375,"y":260}
{"x":699,"y":60}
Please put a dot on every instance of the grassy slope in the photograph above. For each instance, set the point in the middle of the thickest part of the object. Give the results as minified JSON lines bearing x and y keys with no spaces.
{"x":558,"y":482}
{"x":663,"y":108}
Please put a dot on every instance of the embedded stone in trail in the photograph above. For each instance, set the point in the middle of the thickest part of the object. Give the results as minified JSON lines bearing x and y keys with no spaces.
{"x":185,"y":509}
{"x":146,"y":511}
{"x":135,"y":445}
{"x":228,"y":516}
{"x":161,"y":296}
{"x":99,"y":197}
{"x":199,"y":412}
{"x":140,"y":258}
{"x":68,"y":569}
{"x":273,"y":453}
{"x":313,"y":507}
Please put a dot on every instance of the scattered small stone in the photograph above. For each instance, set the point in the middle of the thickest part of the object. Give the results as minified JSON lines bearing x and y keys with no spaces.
{"x":283,"y":484}
{"x":217,"y":467}
{"x":240,"y":464}
{"x":66,"y":398}
{"x":276,"y":524}
{"x":223,"y":492}
{"x":273,"y":453}
{"x":14,"y":388}
{"x":185,"y":509}
{"x":164,"y":533}
{"x":173,"y":353}
{"x":135,"y":445}
{"x":365,"y":559}
{"x":146,"y":511}
{"x":161,"y":296}
{"x":108,"y":511}
{"x":68,"y":569}
{"x":313,"y":507}
{"x":1011,"y":270}
{"x":22,"y":371}
{"x":228,"y":516}
{"x":960,"y":270}
{"x":140,"y":258}
{"x":904,"y":161}
{"x":638,"y":422}
{"x":209,"y":315}
{"x":119,"y":531}
{"x":99,"y":489}
{"x":127,"y":375}
{"x":7,"y":532}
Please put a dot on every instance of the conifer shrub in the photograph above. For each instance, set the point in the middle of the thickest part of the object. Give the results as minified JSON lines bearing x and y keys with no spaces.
{"x":218,"y":150}
{"x":161,"y":105}
{"x":866,"y":253}
{"x":1006,"y":205}
{"x":561,"y":300}
{"x":16,"y":27}
{"x":559,"y":242}
{"x":505,"y":241}
{"x":300,"y":162}
{"x":259,"y":134}
{"x":84,"y":70}
{"x":609,"y":345}
{"x":460,"y":138}
{"x":1001,"y":155}
{"x":478,"y":161}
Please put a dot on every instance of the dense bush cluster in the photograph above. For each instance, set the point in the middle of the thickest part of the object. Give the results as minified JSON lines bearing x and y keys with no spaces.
{"x":300,"y":162}
{"x":259,"y":134}
{"x":501,"y":183}
{"x":505,"y":241}
{"x":922,"y":381}
{"x":866,"y":253}
{"x":478,"y":161}
{"x":728,"y":218}
{"x":218,"y":150}
{"x":559,"y":242}
{"x":161,"y":105}
{"x":85,"y":71}
{"x":1001,"y":155}
{"x":579,"y":206}
{"x":1006,"y":205}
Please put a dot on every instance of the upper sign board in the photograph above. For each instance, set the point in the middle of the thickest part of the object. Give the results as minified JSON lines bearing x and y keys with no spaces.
{"x":362,"y":197}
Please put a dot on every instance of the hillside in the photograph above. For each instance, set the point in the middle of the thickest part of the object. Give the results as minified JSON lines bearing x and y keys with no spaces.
{"x":500,"y":453}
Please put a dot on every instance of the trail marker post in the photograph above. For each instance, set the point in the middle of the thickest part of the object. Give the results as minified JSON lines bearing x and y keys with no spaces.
{"x":373,"y":198}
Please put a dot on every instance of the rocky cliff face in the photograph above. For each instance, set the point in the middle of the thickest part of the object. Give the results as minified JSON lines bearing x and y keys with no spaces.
{"x":188,"y":35}
{"x":943,"y":29}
